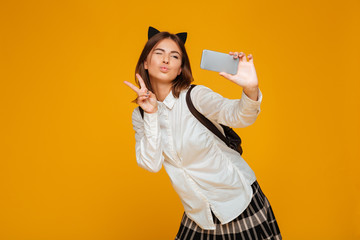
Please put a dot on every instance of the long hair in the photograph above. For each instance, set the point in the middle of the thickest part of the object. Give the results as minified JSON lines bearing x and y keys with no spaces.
{"x":182,"y":81}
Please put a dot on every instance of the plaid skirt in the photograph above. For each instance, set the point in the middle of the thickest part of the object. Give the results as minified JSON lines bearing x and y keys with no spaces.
{"x":256,"y":222}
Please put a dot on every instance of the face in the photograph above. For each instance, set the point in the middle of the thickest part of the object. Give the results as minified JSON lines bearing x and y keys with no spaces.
{"x":164,"y":61}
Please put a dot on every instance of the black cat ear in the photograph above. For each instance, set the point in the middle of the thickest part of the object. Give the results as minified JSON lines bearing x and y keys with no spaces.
{"x":152,"y":31}
{"x":182,"y":36}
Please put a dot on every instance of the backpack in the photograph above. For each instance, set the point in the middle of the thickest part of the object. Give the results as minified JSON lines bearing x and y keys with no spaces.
{"x":231,"y":139}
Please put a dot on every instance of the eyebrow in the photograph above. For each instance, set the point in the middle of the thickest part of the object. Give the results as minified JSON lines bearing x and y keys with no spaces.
{"x":164,"y":51}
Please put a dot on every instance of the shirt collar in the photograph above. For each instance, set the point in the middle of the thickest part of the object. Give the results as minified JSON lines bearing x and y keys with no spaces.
{"x":169,"y":101}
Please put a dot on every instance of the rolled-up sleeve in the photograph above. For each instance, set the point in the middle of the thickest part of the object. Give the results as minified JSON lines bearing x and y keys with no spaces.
{"x":236,"y":113}
{"x":148,"y":141}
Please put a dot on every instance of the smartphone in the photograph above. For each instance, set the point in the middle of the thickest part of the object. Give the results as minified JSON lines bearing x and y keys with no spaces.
{"x":218,"y":62}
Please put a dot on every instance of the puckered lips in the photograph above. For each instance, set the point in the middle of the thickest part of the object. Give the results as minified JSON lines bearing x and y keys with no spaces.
{"x":164,"y":69}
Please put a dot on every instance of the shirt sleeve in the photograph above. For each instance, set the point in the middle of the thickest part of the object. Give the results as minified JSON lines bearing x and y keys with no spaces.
{"x":235,"y":113}
{"x":148,"y":141}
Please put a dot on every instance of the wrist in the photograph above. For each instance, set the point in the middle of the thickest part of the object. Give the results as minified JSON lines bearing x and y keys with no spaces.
{"x":252,"y":88}
{"x":252,"y":92}
{"x":153,"y":111}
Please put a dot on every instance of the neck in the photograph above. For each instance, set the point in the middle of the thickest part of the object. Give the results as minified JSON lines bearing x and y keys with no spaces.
{"x":161,"y":90}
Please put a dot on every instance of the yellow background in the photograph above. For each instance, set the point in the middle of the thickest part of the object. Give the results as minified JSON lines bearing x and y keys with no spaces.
{"x":68,"y":168}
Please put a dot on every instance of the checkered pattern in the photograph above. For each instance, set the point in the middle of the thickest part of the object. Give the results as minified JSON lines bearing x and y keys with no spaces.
{"x":256,"y":222}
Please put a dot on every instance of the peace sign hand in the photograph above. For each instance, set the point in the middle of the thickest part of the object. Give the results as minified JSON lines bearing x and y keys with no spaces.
{"x":146,"y":99}
{"x":246,"y":74}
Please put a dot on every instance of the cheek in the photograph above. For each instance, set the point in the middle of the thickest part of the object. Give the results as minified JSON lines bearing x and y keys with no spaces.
{"x":179,"y":71}
{"x":177,"y":64}
{"x":155,"y":61}
{"x":179,"y":68}
{"x":150,"y":61}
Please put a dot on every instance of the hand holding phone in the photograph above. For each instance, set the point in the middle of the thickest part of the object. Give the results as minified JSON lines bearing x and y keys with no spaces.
{"x":234,"y":67}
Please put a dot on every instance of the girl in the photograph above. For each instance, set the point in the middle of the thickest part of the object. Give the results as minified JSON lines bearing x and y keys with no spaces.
{"x":219,"y":191}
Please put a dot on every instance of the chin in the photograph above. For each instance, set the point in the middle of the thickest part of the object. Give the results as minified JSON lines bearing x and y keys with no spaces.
{"x":164,"y":78}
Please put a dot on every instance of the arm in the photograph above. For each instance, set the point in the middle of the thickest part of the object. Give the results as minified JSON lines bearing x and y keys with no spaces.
{"x":235,"y":113}
{"x":147,"y":130}
{"x":148,"y":141}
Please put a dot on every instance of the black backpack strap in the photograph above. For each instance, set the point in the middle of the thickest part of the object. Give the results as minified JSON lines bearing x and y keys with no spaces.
{"x":206,"y":122}
{"x":141,"y":112}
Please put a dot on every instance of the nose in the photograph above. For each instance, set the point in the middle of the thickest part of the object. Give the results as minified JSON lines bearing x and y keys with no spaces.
{"x":165,"y":59}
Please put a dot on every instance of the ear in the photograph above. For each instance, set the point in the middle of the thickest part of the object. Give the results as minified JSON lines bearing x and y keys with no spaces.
{"x":145,"y":65}
{"x":179,"y":71}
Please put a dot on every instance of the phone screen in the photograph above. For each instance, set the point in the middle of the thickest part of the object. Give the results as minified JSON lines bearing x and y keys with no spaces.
{"x":218,"y":62}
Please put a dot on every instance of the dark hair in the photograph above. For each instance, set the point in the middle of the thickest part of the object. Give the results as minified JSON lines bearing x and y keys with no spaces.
{"x":182,"y":81}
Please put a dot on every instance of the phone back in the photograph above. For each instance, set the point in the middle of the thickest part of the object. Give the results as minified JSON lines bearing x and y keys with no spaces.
{"x":218,"y":62}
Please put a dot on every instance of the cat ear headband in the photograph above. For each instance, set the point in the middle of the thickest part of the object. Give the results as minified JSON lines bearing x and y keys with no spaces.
{"x":153,"y":31}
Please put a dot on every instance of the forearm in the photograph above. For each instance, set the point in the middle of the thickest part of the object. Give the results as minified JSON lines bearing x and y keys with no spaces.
{"x":252,"y":92}
{"x":234,"y":113}
{"x":149,"y":154}
{"x":148,"y":143}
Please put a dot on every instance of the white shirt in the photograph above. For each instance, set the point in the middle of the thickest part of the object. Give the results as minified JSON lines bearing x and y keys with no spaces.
{"x":203,"y":170}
